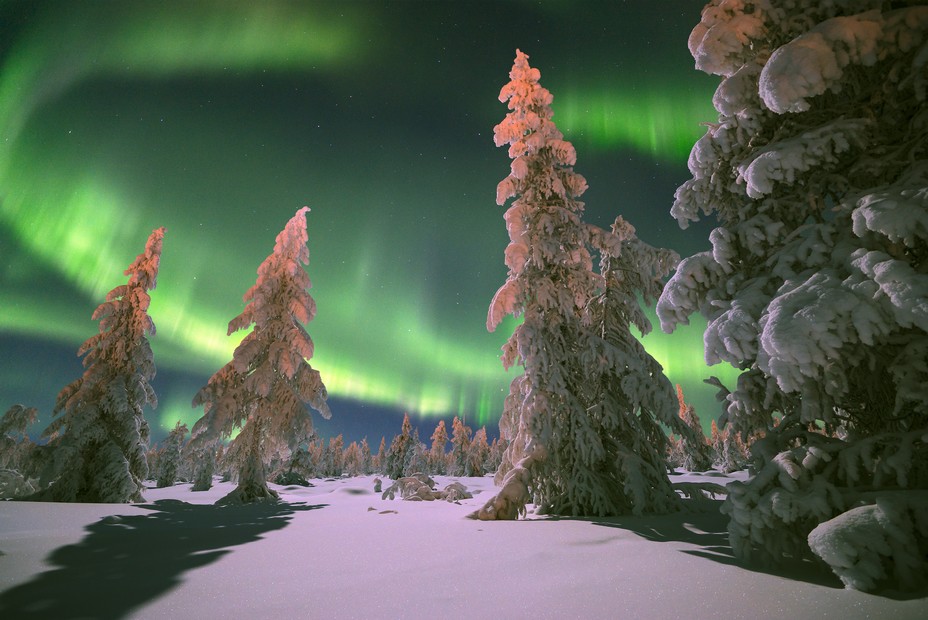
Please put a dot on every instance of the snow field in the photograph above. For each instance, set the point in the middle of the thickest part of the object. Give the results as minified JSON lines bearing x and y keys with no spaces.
{"x":323,"y":553}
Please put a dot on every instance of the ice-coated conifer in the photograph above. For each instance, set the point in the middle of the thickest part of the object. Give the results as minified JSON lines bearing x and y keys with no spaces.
{"x":367,"y":459}
{"x":460,"y":447}
{"x":438,"y":462}
{"x":395,"y":459}
{"x":169,"y":461}
{"x":816,"y":284}
{"x":581,"y":422}
{"x":478,"y":453}
{"x":100,"y":436}
{"x":696,"y":451}
{"x":264,"y":390}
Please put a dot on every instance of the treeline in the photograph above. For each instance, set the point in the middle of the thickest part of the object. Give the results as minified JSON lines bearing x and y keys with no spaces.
{"x":462,"y":452}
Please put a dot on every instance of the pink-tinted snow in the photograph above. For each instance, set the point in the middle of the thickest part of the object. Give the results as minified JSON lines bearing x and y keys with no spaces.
{"x":337,"y":550}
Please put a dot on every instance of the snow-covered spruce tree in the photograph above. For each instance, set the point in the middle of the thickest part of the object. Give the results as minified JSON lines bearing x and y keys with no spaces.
{"x":335,"y":457}
{"x":478,"y":453}
{"x":170,"y":457}
{"x":380,"y":459}
{"x":696,"y":451}
{"x":100,"y":437}
{"x":353,"y":465}
{"x":395,"y":459}
{"x":417,"y":457}
{"x":460,"y":446}
{"x":367,"y":459}
{"x":264,"y":390}
{"x":203,"y":465}
{"x":580,"y":420}
{"x":438,"y":459}
{"x":817,"y":281}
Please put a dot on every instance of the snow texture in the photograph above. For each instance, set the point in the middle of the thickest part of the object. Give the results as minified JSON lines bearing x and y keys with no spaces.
{"x":816,"y":285}
{"x":878,"y":544}
{"x":180,"y":556}
{"x":582,"y":423}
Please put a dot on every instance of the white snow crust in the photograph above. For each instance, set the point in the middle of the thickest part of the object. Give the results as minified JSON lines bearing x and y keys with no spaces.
{"x":337,"y":550}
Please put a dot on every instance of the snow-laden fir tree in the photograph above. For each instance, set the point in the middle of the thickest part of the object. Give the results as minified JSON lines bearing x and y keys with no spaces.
{"x":352,"y":460}
{"x":582,"y":420}
{"x":417,"y":457}
{"x":169,"y":463}
{"x":438,"y":461}
{"x":395,"y":458}
{"x":367,"y":459}
{"x":478,"y":453}
{"x":730,"y":451}
{"x":460,"y":447}
{"x":380,"y":459}
{"x":264,"y":389}
{"x":817,"y":281}
{"x":335,"y":456}
{"x":100,"y":436}
{"x":695,"y":449}
{"x":203,"y":463}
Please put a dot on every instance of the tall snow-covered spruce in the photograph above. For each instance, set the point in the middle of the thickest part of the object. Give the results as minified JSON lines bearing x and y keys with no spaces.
{"x":264,"y":390}
{"x":100,"y":439}
{"x":817,"y":281}
{"x":582,"y":420}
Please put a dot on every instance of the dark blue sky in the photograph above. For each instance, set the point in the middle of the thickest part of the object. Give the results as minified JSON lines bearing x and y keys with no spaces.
{"x":218,"y":120}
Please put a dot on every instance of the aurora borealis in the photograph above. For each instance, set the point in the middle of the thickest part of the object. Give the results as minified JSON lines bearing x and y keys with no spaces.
{"x":218,"y":120}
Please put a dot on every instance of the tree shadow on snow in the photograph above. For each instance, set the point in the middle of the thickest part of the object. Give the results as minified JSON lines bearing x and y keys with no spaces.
{"x":124,"y":562}
{"x":707,"y":529}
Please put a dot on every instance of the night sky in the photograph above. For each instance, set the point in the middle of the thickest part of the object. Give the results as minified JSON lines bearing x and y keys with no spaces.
{"x":218,"y":120}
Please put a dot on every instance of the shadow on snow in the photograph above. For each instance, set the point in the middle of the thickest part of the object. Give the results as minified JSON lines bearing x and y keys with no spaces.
{"x":706,"y":529}
{"x":124,"y":562}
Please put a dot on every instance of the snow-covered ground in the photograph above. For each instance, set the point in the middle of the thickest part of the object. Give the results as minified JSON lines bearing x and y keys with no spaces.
{"x":337,"y":550}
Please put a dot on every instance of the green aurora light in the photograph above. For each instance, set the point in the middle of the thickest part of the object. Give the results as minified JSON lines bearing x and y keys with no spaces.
{"x":82,"y":186}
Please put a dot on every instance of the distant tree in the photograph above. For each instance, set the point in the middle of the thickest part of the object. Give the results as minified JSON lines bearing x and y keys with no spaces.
{"x":478,"y":454}
{"x":460,"y":447}
{"x":437,"y":458}
{"x":731,"y":452}
{"x":582,"y":421}
{"x":100,"y":437}
{"x":352,"y":459}
{"x":335,"y":456}
{"x":203,"y":465}
{"x":367,"y":460}
{"x":265,"y":388}
{"x":696,"y":451}
{"x":380,"y":461}
{"x":497,"y":447}
{"x":816,"y":285}
{"x":15,"y":444}
{"x":417,"y":457}
{"x":169,"y":463}
{"x":396,"y":457}
{"x":673,"y":452}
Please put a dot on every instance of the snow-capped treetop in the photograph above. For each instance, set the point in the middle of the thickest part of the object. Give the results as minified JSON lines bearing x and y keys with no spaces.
{"x":544,"y":221}
{"x":582,"y":420}
{"x":269,"y":373}
{"x":101,"y":435}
